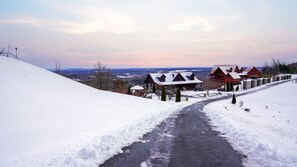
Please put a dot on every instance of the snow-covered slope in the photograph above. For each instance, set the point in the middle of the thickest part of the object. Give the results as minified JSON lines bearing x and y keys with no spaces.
{"x":46,"y":119}
{"x":267,"y":134}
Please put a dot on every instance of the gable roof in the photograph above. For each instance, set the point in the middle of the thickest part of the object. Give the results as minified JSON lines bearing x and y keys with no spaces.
{"x":224,"y":68}
{"x":234,"y":75}
{"x":248,"y":69}
{"x":137,"y":87}
{"x":188,"y":78}
{"x":243,"y":73}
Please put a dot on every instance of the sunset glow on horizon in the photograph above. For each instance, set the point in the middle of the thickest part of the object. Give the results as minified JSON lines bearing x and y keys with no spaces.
{"x":150,"y":33}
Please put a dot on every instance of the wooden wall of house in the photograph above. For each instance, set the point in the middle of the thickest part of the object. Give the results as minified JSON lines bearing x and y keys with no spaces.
{"x":218,"y":75}
{"x":254,"y":73}
{"x":149,"y":79}
{"x":172,"y":87}
{"x":228,"y":78}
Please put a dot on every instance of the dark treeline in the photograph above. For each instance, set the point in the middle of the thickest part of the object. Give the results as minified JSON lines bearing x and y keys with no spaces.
{"x":276,"y":67}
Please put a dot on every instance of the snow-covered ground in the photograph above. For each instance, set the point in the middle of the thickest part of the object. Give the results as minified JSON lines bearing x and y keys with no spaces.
{"x":49,"y":120}
{"x":201,"y":94}
{"x":267,"y":134}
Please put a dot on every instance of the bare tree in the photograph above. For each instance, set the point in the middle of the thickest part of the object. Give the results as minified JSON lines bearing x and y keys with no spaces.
{"x":275,"y":66}
{"x":210,"y":85}
{"x":266,"y":68}
{"x":57,"y":67}
{"x":103,"y":77}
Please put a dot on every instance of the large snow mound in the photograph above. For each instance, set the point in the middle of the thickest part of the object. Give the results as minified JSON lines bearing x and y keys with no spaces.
{"x":49,"y":120}
{"x":267,"y":134}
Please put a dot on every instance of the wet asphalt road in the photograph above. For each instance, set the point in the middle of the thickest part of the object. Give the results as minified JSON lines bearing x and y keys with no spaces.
{"x":185,"y":139}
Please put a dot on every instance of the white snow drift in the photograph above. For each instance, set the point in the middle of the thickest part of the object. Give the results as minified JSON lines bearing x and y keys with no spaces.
{"x":267,"y":134}
{"x":49,"y":120}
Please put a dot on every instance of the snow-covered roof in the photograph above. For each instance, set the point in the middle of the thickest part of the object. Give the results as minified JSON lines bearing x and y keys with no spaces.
{"x":224,"y":68}
{"x":235,"y":75}
{"x":189,"y":78}
{"x":137,"y":87}
{"x":248,"y":69}
{"x":243,"y":73}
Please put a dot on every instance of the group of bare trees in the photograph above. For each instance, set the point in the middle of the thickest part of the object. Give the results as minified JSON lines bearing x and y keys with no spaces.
{"x":104,"y":80}
{"x":103,"y":77}
{"x":57,"y":67}
{"x":210,"y":84}
{"x":276,"y":67}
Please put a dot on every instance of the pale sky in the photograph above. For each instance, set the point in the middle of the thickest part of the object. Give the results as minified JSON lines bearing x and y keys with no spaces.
{"x":150,"y":33}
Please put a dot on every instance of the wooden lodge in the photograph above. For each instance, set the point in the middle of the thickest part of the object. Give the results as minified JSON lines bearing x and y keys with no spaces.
{"x":232,"y":73}
{"x":172,"y":80}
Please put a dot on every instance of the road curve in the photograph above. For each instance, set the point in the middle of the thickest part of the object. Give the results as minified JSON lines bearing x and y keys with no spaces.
{"x":185,"y":139}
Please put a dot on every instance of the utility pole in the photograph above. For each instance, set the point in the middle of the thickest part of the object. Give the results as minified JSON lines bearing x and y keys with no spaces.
{"x":8,"y":49}
{"x":16,"y":53}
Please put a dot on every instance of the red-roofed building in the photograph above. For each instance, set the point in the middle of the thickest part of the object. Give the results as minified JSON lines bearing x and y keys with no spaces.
{"x":232,"y":73}
{"x":252,"y":72}
{"x":232,"y":77}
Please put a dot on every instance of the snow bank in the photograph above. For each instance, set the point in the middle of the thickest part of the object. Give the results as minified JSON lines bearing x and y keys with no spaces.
{"x":267,"y":134}
{"x":49,"y":120}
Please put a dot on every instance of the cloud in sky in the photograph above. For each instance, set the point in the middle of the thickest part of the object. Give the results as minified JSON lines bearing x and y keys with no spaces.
{"x":140,"y":33}
{"x":100,"y":21}
{"x":84,"y":19}
{"x":88,"y":19}
{"x":208,"y":24}
{"x":24,"y":20}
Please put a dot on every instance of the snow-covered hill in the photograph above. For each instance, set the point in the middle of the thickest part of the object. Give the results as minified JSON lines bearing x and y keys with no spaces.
{"x":267,"y":134}
{"x":49,"y":120}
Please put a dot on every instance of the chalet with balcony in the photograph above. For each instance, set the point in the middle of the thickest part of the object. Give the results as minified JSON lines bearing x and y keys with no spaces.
{"x":172,"y":80}
{"x":232,"y":73}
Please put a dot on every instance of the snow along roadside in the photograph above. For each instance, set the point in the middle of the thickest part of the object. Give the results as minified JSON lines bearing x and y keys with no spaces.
{"x":101,"y":148}
{"x":268,"y":133}
{"x":94,"y":150}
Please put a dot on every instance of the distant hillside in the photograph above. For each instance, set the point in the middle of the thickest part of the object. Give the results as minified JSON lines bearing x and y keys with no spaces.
{"x":84,"y":74}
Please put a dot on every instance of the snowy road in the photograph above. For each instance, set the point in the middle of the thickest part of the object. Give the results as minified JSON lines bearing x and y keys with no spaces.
{"x":184,"y":139}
